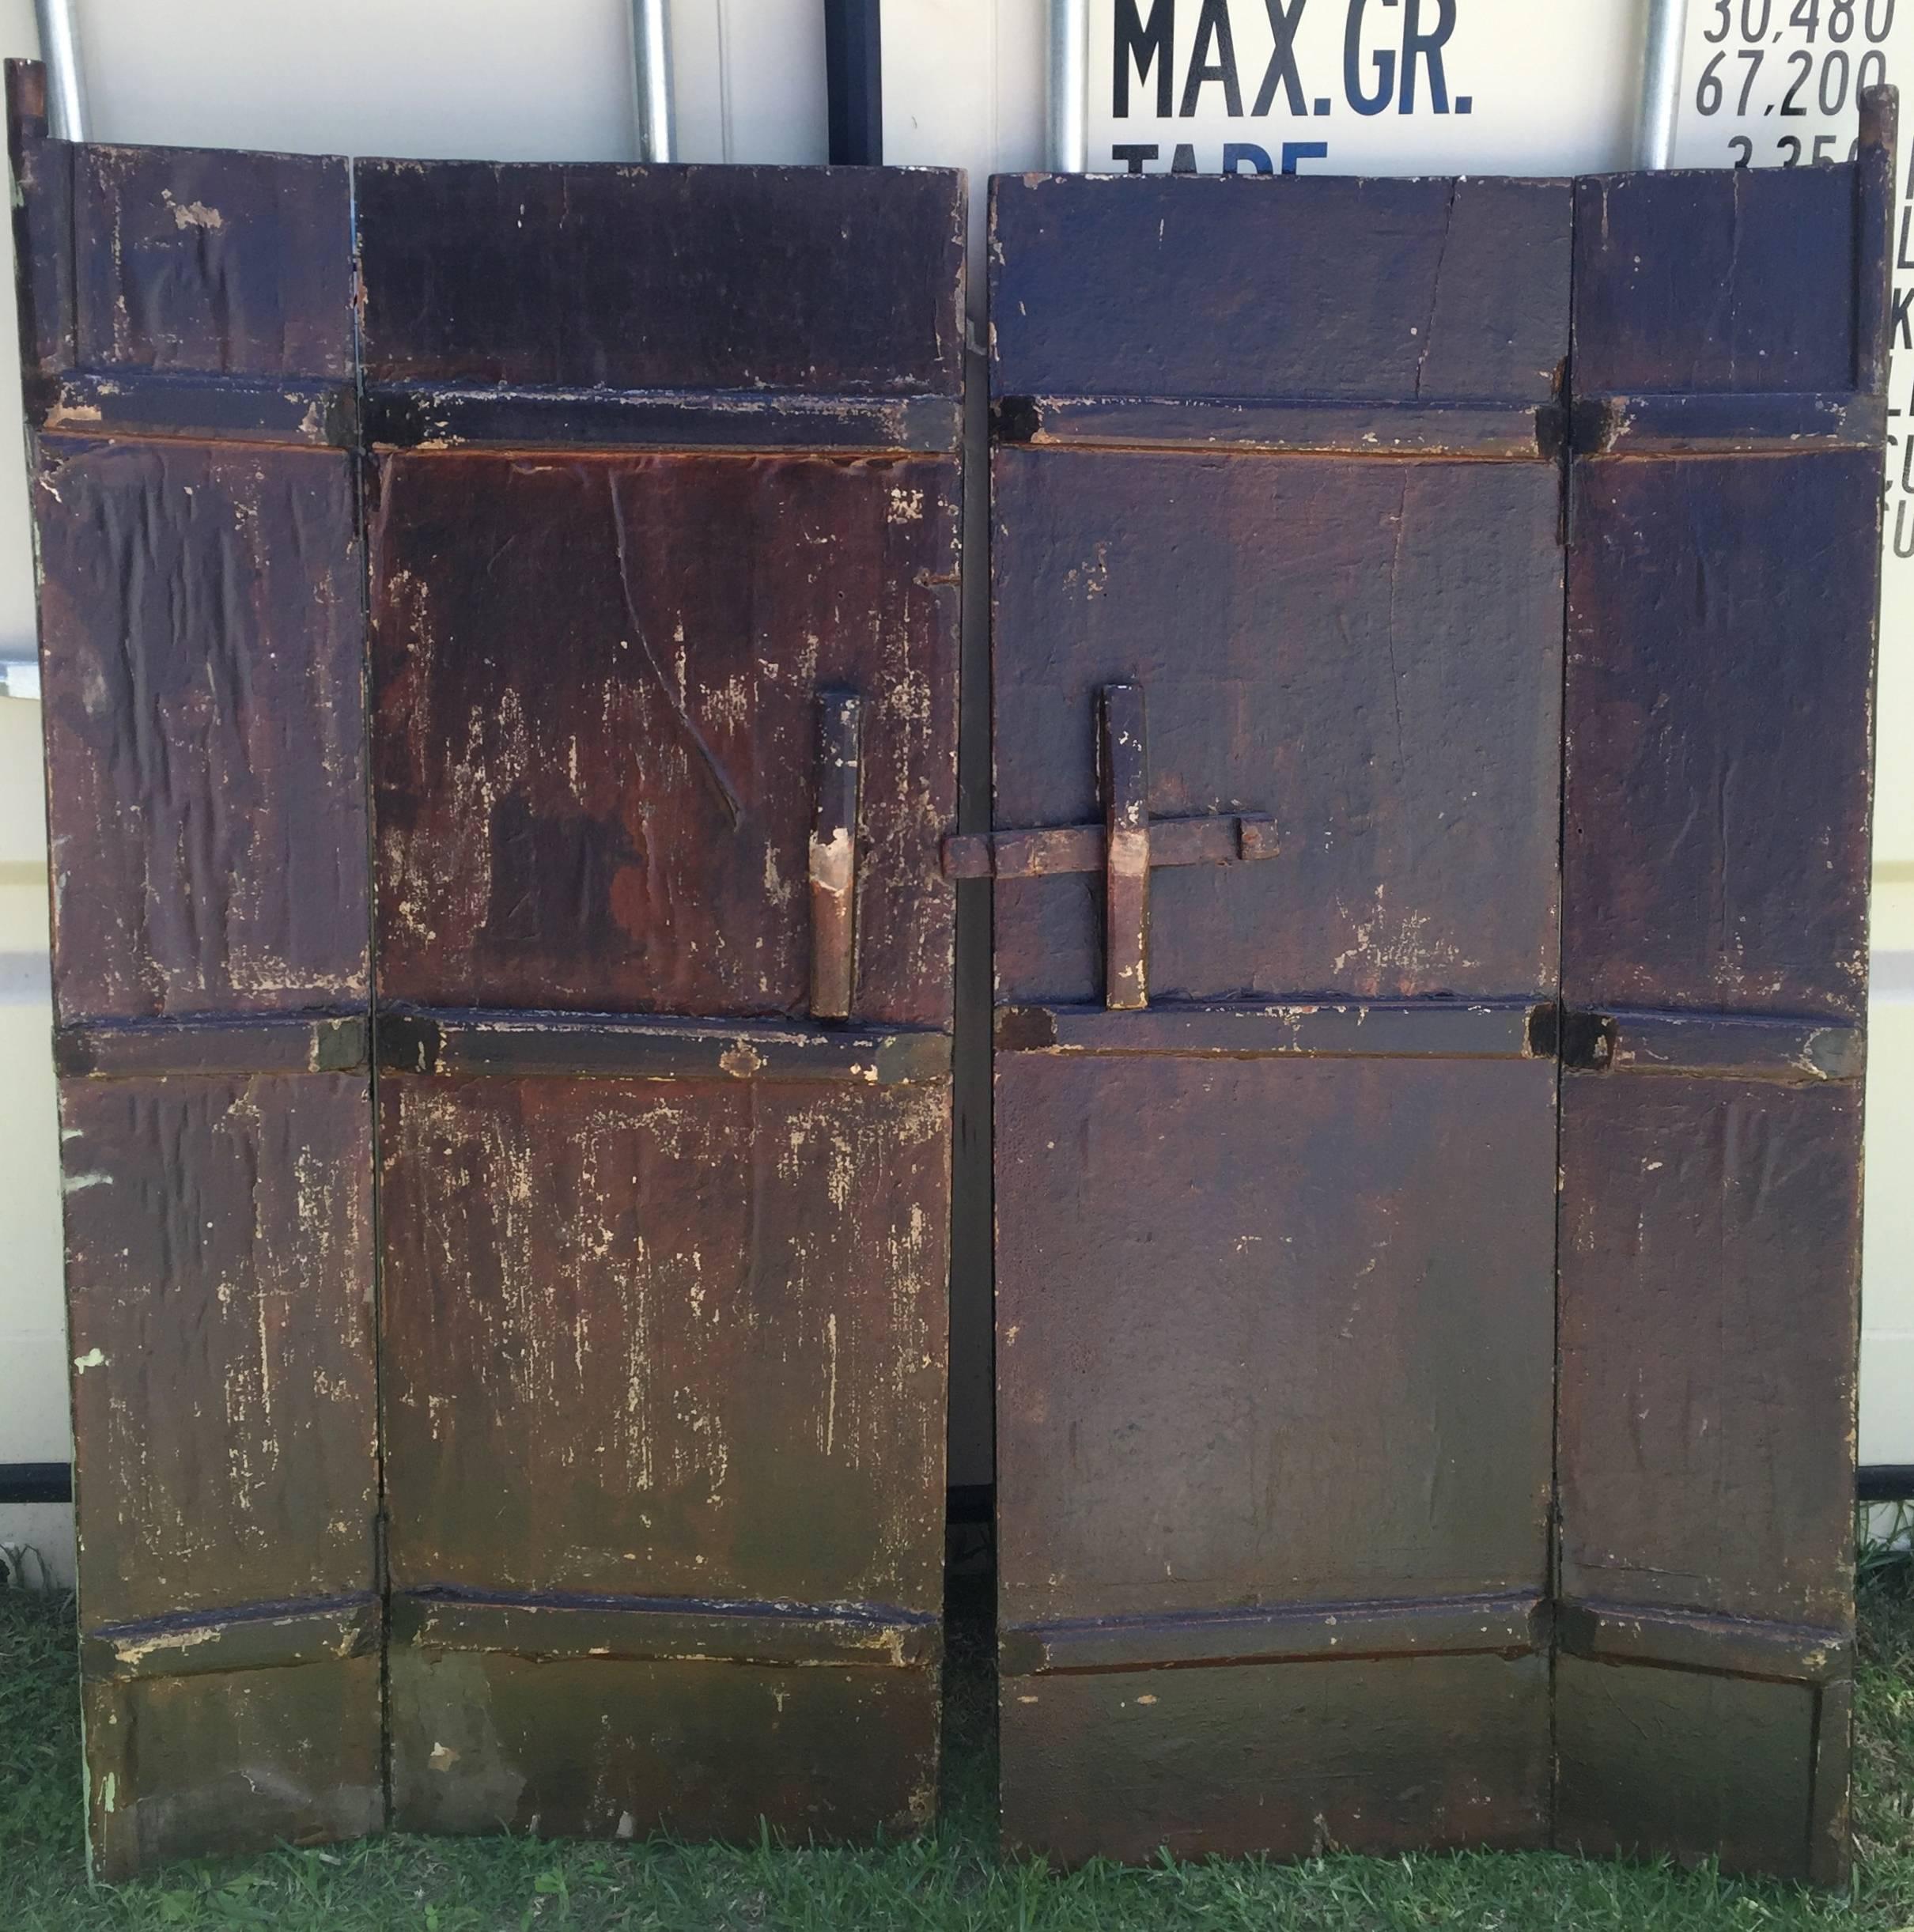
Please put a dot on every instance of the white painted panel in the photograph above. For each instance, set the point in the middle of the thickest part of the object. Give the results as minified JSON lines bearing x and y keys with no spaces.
{"x":1537,"y":87}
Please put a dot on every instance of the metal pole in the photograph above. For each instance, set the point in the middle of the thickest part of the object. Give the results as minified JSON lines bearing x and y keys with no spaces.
{"x":1661,"y":86}
{"x":854,"y":81}
{"x":1068,"y":130}
{"x":60,"y":48}
{"x":651,"y":56}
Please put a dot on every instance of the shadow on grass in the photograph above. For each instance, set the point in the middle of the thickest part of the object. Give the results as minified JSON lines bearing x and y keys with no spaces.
{"x":950,"y":1878}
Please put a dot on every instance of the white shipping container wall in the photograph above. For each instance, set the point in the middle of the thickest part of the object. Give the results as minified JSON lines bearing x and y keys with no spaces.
{"x":1428,"y":86}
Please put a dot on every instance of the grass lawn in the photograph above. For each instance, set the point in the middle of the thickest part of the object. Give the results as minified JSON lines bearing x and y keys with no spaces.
{"x":952,"y":1879}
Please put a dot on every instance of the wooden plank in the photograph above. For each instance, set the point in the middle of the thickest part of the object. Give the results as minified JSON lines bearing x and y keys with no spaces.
{"x":231,"y":1764}
{"x":448,"y":417}
{"x":666,"y":1266}
{"x":1361,"y":1029}
{"x":656,"y":1628}
{"x":205,"y":748}
{"x":848,"y":283}
{"x":1464,"y":289}
{"x":281,"y":1043}
{"x":1736,"y":280}
{"x":138,"y":402}
{"x":1696,"y":423}
{"x":254,"y":1637}
{"x":1710,"y":1233}
{"x":638,"y":836}
{"x":1366,"y":428}
{"x":219,"y":1263}
{"x":517,"y":1045}
{"x":1401,"y":623}
{"x":1125,"y":766}
{"x":1738,"y":1046}
{"x":1221,"y":839}
{"x":1716,"y":829}
{"x":1625,"y":1633}
{"x":836,"y":1753}
{"x":1657,"y":1763}
{"x":1286,"y":1760}
{"x":1505,"y":1626}
{"x":1167,"y":1337}
{"x":834,"y":834}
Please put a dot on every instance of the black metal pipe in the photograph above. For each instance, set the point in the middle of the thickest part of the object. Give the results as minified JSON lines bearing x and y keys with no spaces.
{"x":1886,"y":1482}
{"x":35,"y":1482}
{"x":854,"y":82}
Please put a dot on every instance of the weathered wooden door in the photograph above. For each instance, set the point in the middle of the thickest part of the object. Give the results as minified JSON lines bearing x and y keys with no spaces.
{"x":1294,"y":484}
{"x":1275,"y":1145}
{"x":664,"y":528}
{"x":1730,"y":348}
{"x":188,"y":336}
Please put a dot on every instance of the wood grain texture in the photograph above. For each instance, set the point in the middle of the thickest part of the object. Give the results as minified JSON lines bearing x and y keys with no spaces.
{"x":597,"y":682}
{"x":1368,"y":652}
{"x":1735,"y":280}
{"x":219,"y":1272}
{"x":1292,"y":1760}
{"x":1710,"y":1237}
{"x":187,"y":324}
{"x":1719,"y":759}
{"x":1349,"y":290}
{"x":607,"y":1748}
{"x":1675,"y":1764}
{"x":201,"y":662}
{"x":1239,"y":1301}
{"x":231,"y":1764}
{"x":734,"y":1296}
{"x":837,"y":281}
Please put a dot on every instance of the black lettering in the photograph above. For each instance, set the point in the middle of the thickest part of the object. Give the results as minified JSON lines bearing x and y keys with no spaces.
{"x":1903,"y":537}
{"x":1417,"y":45}
{"x":1142,"y":44}
{"x":1285,"y":16}
{"x":1904,"y":319}
{"x":1901,"y":254}
{"x":1236,"y":153}
{"x":1133,"y":154}
{"x":1183,"y":160}
{"x":1352,"y":65}
{"x":1213,"y":30}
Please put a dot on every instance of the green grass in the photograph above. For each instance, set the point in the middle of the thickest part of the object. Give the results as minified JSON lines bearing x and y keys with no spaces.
{"x":948,"y":1881}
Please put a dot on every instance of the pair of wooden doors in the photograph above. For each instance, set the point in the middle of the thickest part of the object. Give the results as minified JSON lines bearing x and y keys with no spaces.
{"x":1426,"y":1107}
{"x":500,"y":637}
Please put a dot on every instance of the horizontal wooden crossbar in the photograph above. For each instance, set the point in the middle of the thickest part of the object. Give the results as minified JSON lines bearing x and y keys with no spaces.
{"x":1694,"y":1640}
{"x":419,"y":417}
{"x":265,"y":1043}
{"x":1330,"y":426}
{"x":263,"y":1636}
{"x":155,"y":402}
{"x":1045,"y":850}
{"x":1728,"y":425}
{"x":1253,"y":1030}
{"x":568,"y":1625}
{"x":646,"y":1047}
{"x":1502,"y":1625}
{"x":1748,"y":1046}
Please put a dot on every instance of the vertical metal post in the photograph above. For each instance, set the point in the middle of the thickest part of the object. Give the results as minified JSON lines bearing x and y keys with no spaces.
{"x":1661,"y":90}
{"x":1068,"y":131}
{"x":60,"y":48}
{"x":854,"y":81}
{"x":651,"y":59}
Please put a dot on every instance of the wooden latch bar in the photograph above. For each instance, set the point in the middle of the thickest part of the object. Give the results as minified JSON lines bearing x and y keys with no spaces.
{"x":1126,"y":848}
{"x":834,"y":857}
